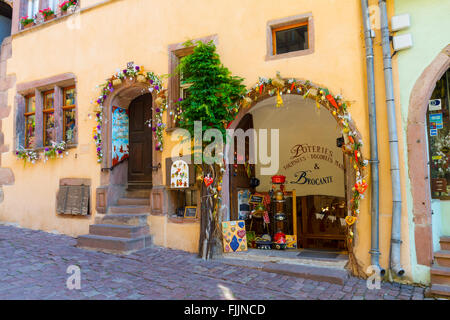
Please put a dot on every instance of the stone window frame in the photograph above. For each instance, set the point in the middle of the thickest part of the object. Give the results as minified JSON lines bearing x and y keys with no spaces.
{"x":56,"y":83}
{"x":285,"y":22}
{"x":176,"y":52}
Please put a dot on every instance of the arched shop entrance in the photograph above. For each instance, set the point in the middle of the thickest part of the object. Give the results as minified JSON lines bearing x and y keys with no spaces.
{"x":313,"y":164}
{"x":320,"y":158}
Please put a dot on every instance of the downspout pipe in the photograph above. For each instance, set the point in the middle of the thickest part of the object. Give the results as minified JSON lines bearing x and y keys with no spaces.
{"x":396,"y":241}
{"x":374,"y":250}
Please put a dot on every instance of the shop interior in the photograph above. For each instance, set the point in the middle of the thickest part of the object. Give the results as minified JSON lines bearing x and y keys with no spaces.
{"x":302,"y":207}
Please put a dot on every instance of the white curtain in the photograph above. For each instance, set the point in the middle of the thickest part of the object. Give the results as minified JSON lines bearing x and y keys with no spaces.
{"x":33,"y":8}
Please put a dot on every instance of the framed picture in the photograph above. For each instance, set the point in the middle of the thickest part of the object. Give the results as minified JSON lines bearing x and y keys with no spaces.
{"x":190,"y":212}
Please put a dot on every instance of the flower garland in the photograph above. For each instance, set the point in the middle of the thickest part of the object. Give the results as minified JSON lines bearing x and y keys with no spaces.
{"x":27,"y":155}
{"x":338,"y":108}
{"x":155,"y":85}
{"x":56,"y":150}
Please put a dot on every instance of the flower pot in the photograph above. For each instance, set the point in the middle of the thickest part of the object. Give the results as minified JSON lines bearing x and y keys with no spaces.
{"x":26,"y":26}
{"x":50,"y":17}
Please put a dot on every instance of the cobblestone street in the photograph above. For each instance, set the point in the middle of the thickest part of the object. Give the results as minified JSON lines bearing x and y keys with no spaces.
{"x":33,"y":265}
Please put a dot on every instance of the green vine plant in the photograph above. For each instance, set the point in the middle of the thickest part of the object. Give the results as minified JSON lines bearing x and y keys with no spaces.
{"x":213,"y":98}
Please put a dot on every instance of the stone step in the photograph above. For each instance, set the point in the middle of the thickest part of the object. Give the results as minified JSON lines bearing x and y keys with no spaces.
{"x":113,"y":244}
{"x":442,"y":258}
{"x":316,"y":273}
{"x":440,"y":275}
{"x":125,"y":219}
{"x":133,"y":202}
{"x":440,"y":290}
{"x":137,"y":193}
{"x":112,"y":230}
{"x":129,"y":209}
{"x":445,"y":243}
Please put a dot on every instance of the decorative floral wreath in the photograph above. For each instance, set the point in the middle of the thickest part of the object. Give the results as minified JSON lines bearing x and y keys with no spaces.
{"x":338,"y":108}
{"x":155,"y":85}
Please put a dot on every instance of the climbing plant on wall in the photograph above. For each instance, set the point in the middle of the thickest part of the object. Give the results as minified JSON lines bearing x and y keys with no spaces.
{"x":212,"y":98}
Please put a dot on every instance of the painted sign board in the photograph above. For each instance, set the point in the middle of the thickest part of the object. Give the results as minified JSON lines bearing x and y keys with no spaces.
{"x":120,"y":140}
{"x":434,"y":105}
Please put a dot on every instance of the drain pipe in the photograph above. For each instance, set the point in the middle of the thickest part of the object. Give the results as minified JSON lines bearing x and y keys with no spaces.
{"x":393,"y":145}
{"x":374,"y":250}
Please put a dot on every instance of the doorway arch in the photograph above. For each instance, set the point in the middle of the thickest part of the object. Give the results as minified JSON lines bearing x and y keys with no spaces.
{"x":113,"y":180}
{"x":418,"y":155}
{"x":277,"y":87}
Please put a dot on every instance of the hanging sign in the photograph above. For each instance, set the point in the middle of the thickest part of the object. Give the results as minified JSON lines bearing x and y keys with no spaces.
{"x":119,"y":141}
{"x":179,"y":174}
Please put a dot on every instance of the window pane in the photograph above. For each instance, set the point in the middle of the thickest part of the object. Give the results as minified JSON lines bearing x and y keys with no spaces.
{"x":49,"y":129}
{"x":291,"y":40}
{"x":29,"y":132}
{"x":69,"y":97}
{"x":48,"y":101}
{"x":438,"y":119}
{"x":69,"y":126}
{"x":30,"y":104}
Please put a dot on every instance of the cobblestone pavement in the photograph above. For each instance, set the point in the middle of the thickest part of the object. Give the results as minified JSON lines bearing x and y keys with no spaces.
{"x":33,"y":265}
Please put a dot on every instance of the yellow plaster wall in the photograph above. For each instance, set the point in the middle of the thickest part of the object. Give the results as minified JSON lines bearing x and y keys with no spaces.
{"x":105,"y":38}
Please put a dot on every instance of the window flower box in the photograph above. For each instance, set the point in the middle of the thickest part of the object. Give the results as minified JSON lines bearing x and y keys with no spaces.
{"x":68,"y":6}
{"x":27,"y":22}
{"x":48,"y":14}
{"x":50,"y":17}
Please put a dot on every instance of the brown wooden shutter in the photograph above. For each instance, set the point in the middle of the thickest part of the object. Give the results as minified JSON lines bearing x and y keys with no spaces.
{"x":73,"y":200}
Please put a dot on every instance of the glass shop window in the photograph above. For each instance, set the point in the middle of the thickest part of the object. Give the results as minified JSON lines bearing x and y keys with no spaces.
{"x":290,"y":38}
{"x":69,"y":115}
{"x":438,"y":120}
{"x":30,"y":121}
{"x":49,"y":118}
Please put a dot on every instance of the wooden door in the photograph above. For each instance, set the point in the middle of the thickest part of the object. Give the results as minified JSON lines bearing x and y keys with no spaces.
{"x":140,"y":140}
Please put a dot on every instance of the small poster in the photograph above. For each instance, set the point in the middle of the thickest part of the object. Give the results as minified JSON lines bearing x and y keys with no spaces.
{"x":119,"y":141}
{"x":433,"y":132}
{"x":234,"y":236}
{"x":179,"y":174}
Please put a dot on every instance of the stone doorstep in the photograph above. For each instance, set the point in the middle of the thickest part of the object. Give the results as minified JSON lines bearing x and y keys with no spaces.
{"x":319,"y":262}
{"x":128,"y":209}
{"x":438,"y":290}
{"x":445,"y":243}
{"x":113,"y":244}
{"x":125,"y":219}
{"x":120,"y":231}
{"x":440,"y":275}
{"x":442,"y":258}
{"x":316,"y":273}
